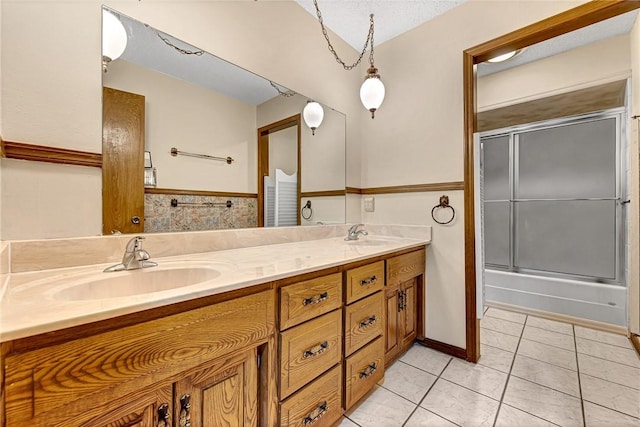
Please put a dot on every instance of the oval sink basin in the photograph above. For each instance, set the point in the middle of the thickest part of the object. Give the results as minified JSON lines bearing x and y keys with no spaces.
{"x":135,"y":282}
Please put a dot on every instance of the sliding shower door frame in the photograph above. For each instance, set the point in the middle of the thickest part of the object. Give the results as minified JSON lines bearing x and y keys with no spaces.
{"x":513,"y":132}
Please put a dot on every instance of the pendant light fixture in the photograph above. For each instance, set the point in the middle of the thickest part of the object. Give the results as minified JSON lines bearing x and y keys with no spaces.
{"x":372,"y":90}
{"x":313,"y":114}
{"x":114,"y":38}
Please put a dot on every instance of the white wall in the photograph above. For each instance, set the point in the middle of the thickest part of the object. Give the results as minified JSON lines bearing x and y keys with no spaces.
{"x":558,"y":74}
{"x":418,"y":136}
{"x":196,"y":120}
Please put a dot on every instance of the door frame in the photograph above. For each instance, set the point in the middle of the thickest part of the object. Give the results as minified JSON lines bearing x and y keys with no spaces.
{"x":570,"y":20}
{"x":263,"y":160}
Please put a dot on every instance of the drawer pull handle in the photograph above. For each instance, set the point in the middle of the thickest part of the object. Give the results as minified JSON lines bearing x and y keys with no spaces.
{"x":163,"y":415}
{"x":316,"y":299}
{"x":368,"y":321}
{"x":314,"y":351}
{"x":185,"y":411}
{"x":316,"y":414}
{"x":370,"y":281}
{"x":369,"y":370}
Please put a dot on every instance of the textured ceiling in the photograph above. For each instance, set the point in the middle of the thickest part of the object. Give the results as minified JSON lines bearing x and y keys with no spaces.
{"x":349,"y":19}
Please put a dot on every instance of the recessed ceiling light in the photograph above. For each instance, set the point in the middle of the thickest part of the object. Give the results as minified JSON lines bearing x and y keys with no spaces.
{"x":505,"y":56}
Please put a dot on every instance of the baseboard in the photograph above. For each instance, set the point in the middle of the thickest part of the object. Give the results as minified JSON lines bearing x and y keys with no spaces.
{"x":635,"y":340}
{"x":607,"y":327}
{"x":443,"y":347}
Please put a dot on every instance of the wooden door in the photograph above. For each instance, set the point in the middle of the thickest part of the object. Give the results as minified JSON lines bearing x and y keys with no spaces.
{"x":122,"y":161}
{"x":221,"y":393}
{"x":409,"y":312}
{"x":151,"y":409}
{"x":392,"y":345}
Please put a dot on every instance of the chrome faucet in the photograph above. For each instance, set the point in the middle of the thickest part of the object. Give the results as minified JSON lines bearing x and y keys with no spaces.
{"x":353,"y":232}
{"x":134,"y":257}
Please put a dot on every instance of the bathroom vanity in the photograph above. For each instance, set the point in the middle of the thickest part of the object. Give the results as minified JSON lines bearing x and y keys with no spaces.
{"x":290,"y":334}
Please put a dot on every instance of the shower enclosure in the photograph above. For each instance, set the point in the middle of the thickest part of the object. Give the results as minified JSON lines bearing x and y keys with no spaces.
{"x":553,"y":216}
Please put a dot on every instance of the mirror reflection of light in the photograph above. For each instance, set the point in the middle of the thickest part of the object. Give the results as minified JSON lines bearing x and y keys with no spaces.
{"x":313,"y":115}
{"x":114,"y":38}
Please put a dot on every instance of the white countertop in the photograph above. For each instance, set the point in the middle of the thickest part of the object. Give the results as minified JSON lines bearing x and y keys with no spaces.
{"x":38,"y":302}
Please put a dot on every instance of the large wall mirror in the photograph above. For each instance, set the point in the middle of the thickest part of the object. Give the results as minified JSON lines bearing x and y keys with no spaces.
{"x":204,"y":130}
{"x":572,"y":73}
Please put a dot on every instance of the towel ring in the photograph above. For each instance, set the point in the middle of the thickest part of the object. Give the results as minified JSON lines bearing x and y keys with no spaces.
{"x":307,"y":208}
{"x":444,"y":203}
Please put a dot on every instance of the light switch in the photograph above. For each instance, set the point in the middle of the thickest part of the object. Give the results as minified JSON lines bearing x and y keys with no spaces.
{"x":369,"y":204}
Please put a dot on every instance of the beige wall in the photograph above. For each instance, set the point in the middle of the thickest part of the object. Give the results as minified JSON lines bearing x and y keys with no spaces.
{"x":283,"y":151}
{"x":633,"y":274}
{"x":562,"y":73}
{"x":196,"y":120}
{"x":417,"y":137}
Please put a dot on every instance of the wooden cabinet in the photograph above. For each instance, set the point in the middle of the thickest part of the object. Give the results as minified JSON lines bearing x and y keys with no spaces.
{"x":124,"y":376}
{"x":404,"y":291}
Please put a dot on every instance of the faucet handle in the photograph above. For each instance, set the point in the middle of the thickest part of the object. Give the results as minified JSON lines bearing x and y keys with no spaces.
{"x":134,"y":244}
{"x":354,"y":228}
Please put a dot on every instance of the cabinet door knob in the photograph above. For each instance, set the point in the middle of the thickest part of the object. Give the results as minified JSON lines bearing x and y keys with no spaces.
{"x":163,"y":415}
{"x":316,"y":299}
{"x":314,"y":351}
{"x":368,"y":321}
{"x":316,"y":414}
{"x":370,"y":281}
{"x":185,"y":411}
{"x":369,"y":370}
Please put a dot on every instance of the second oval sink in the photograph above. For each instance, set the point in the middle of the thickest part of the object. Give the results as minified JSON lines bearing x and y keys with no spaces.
{"x":135,"y":282}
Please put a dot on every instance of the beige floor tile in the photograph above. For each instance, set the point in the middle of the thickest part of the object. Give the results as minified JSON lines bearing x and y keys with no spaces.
{"x":499,"y":340}
{"x":506,"y":315}
{"x":604,"y":337}
{"x":499,"y":325}
{"x":609,"y":352}
{"x":611,"y":395}
{"x":346,"y":422}
{"x":476,"y":377}
{"x":550,"y":325}
{"x":543,"y":402}
{"x":407,"y":381}
{"x":547,"y":353}
{"x":460,"y":405}
{"x":597,"y":416}
{"x":496,"y":358}
{"x":422,"y":417}
{"x":426,"y":359}
{"x":512,"y":417}
{"x":381,"y":408}
{"x":609,"y":371}
{"x":545,"y":336}
{"x":552,"y":376}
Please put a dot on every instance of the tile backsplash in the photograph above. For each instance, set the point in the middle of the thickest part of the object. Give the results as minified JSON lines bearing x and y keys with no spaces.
{"x":161,"y":217}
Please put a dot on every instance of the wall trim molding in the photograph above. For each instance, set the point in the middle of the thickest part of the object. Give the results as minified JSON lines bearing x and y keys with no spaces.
{"x":198,"y":193}
{"x":452,"y":350}
{"x":326,"y":193}
{"x":42,"y":153}
{"x":409,"y":188}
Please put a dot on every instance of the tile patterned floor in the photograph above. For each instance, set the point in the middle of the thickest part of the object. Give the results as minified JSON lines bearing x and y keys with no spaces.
{"x":533,"y":372}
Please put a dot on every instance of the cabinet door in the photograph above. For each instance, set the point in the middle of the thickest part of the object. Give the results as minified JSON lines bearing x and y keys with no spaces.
{"x":391,"y":315}
{"x":152,"y":409}
{"x":409,"y":312}
{"x":221,"y":393}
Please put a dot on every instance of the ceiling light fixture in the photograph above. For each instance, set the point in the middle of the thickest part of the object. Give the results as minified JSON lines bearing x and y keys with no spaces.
{"x":313,"y":114}
{"x":114,"y":38}
{"x":372,"y":90}
{"x":505,"y":56}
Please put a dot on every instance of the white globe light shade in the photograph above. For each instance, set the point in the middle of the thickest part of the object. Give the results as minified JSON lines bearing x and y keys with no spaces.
{"x":313,"y":114}
{"x":372,"y":94}
{"x":114,"y":36}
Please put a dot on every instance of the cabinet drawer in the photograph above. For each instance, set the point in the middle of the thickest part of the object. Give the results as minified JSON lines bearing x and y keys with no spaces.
{"x":365,"y":280}
{"x":363,"y":370}
{"x":318,"y":404}
{"x":363,"y":321}
{"x":405,"y":267}
{"x":308,"y":350}
{"x":311,"y":298}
